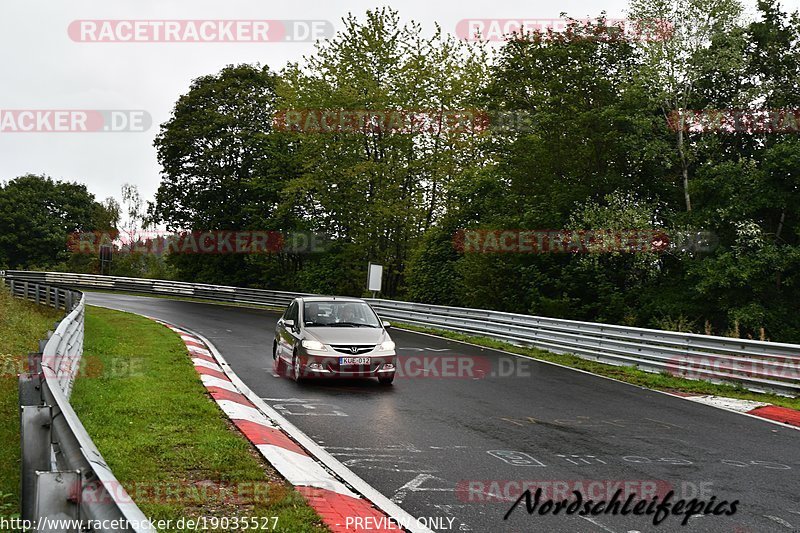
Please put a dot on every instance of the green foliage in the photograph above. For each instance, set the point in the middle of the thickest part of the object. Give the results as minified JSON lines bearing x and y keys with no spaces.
{"x":22,"y":324}
{"x":37,"y":214}
{"x":595,"y":152}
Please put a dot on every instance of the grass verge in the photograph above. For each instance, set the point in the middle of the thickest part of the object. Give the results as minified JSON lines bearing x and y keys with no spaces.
{"x":22,"y":324}
{"x":165,"y":439}
{"x":628,"y":374}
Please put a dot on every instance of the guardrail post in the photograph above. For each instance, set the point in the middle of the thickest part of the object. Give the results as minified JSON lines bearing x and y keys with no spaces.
{"x":13,"y":287}
{"x":68,"y":305}
{"x":35,"y":426}
{"x":30,"y":387}
{"x":58,"y":496}
{"x":25,"y":290}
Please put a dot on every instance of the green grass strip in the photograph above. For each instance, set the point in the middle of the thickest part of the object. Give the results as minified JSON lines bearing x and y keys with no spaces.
{"x":22,"y":324}
{"x":163,"y":436}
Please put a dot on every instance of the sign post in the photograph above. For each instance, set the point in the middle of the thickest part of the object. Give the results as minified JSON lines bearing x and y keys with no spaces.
{"x":105,"y":258}
{"x":374,"y":278}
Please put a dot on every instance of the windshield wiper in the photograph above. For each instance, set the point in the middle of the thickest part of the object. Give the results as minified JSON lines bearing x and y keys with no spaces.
{"x":351,"y":325}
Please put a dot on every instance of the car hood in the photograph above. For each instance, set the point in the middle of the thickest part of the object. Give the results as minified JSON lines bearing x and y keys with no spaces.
{"x":348,"y":335}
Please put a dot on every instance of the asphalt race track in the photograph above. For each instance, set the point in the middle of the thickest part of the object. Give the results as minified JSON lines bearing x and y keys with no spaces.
{"x":449,"y":448}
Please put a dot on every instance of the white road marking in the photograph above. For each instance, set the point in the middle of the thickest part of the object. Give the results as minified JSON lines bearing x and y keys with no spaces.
{"x":415,"y":485}
{"x":598,"y":524}
{"x":780,"y":521}
{"x":395,"y":447}
{"x":731,"y":404}
{"x":515,"y":458}
{"x":583,"y":459}
{"x":285,"y":400}
{"x":391,"y":464}
{"x":308,"y":409}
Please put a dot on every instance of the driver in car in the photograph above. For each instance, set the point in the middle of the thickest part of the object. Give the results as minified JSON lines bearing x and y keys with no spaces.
{"x":348,"y":314}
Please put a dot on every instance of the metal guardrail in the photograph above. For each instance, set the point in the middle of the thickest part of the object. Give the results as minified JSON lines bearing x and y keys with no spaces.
{"x":64,"y":476}
{"x":756,"y":365}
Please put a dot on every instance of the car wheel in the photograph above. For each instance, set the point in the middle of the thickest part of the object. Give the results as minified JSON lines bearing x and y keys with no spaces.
{"x":296,"y":368}
{"x":278,"y":365}
{"x":386,"y":380}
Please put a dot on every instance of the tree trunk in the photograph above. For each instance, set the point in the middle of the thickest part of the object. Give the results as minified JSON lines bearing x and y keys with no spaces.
{"x":684,"y":167}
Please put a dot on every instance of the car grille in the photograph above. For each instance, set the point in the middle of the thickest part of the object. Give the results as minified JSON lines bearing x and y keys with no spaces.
{"x":347,"y":348}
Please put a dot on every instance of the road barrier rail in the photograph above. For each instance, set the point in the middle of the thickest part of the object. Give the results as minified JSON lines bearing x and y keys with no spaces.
{"x":64,"y":476}
{"x":755,"y":365}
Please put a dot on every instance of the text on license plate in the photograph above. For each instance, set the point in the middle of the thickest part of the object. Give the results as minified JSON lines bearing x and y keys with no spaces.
{"x":354,"y":360}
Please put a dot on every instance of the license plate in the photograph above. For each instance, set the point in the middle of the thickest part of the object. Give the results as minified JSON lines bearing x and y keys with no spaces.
{"x":354,"y":360}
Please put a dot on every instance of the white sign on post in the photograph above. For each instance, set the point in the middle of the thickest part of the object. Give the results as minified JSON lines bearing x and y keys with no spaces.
{"x":375,"y":277}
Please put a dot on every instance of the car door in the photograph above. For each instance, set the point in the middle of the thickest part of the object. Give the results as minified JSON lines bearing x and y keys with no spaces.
{"x":286,"y":334}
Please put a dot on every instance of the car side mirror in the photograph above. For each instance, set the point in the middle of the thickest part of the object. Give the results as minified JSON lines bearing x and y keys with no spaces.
{"x":289,"y":323}
{"x":387,"y":324}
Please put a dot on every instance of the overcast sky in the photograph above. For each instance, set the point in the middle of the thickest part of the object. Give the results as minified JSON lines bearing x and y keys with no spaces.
{"x":43,"y":68}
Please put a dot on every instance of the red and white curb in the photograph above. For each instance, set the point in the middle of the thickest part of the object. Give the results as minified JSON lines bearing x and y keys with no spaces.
{"x":345,"y":502}
{"x":765,"y":410}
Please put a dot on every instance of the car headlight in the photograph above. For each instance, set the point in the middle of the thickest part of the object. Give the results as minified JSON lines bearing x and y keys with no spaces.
{"x":387,"y":345}
{"x":313,"y":345}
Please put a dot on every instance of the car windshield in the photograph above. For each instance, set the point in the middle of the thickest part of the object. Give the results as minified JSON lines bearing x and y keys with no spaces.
{"x":339,"y":314}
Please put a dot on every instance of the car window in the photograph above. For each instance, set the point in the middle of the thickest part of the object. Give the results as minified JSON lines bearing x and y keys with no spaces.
{"x":291,"y":313}
{"x":339,"y":313}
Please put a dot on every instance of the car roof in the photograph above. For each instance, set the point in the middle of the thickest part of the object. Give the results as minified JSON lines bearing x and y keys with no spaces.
{"x":331,"y":299}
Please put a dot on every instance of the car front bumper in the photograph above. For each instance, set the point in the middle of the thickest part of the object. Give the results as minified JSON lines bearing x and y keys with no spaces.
{"x":329,"y":366}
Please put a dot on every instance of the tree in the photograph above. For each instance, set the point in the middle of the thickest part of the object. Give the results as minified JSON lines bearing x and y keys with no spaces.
{"x":37,"y":215}
{"x":673,"y":62}
{"x":223,"y":167}
{"x":376,"y":189}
